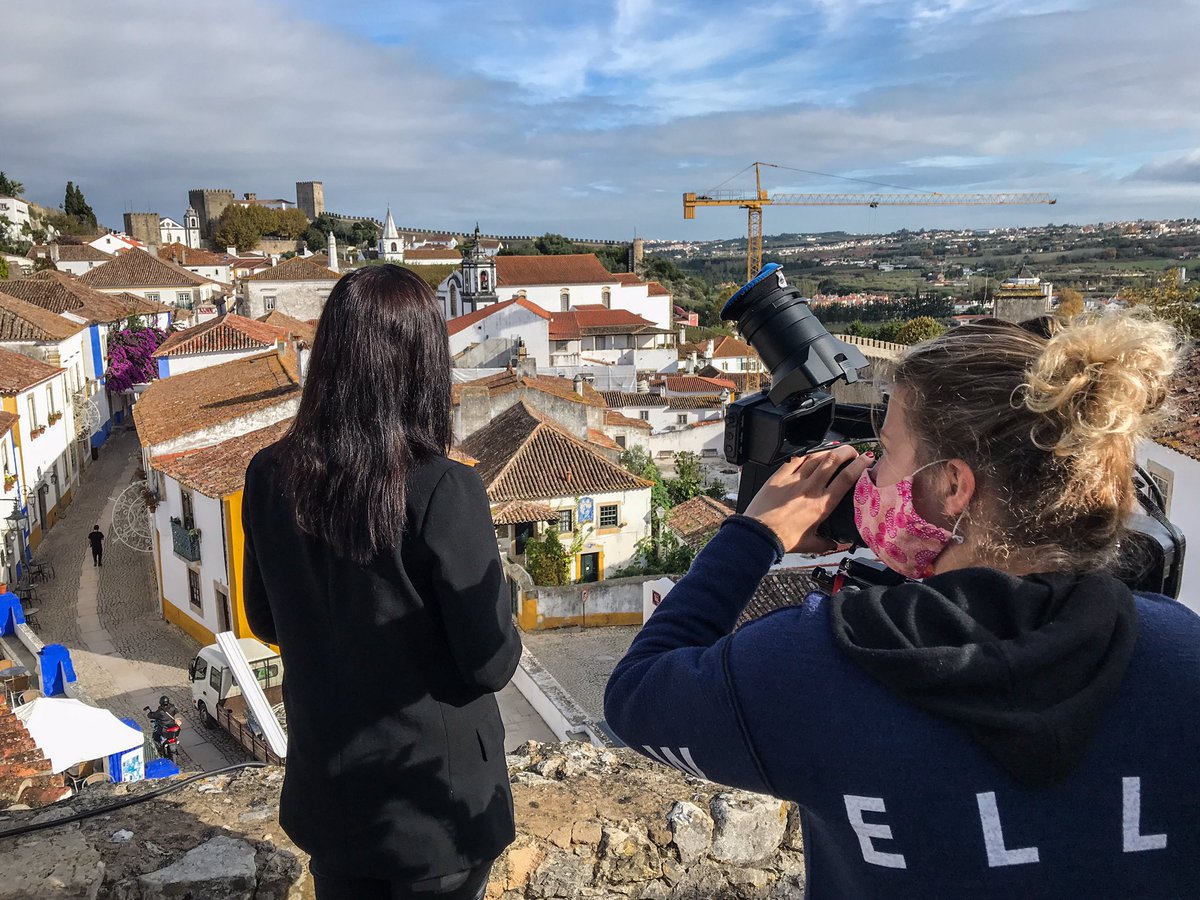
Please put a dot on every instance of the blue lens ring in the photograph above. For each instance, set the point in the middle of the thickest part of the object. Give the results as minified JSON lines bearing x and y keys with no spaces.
{"x":727,"y":311}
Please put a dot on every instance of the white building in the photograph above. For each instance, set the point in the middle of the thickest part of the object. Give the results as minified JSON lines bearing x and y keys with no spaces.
{"x":16,"y":212}
{"x":214,"y":266}
{"x":297,"y":287}
{"x":44,"y":438}
{"x":556,"y":284}
{"x":597,"y":335}
{"x":157,"y":280}
{"x":186,"y":233}
{"x":493,"y":335}
{"x":431,"y":256}
{"x":75,"y":259}
{"x":391,"y":244}
{"x":113,"y":242}
{"x":214,"y":342}
{"x":198,"y":533}
{"x":602,"y":510}
{"x":725,"y":353}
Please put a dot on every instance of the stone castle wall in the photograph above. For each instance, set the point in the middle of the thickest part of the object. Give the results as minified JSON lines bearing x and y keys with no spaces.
{"x":591,"y":823}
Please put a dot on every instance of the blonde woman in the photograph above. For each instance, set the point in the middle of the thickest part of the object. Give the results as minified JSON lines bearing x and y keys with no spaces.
{"x":1012,"y":721}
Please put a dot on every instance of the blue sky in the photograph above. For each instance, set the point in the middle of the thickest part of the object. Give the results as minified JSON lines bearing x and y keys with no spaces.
{"x":592,"y":118}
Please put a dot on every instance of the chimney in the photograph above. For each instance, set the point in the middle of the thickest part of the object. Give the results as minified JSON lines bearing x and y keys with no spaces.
{"x":709,"y":350}
{"x":232,"y":251}
{"x":692,"y":362}
{"x":152,"y":249}
{"x":274,"y":259}
{"x":54,"y":252}
{"x":334,"y":265}
{"x":579,"y":385}
{"x":682,"y":334}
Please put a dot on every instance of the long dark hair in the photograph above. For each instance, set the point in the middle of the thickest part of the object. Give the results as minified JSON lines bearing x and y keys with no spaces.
{"x":376,"y":403}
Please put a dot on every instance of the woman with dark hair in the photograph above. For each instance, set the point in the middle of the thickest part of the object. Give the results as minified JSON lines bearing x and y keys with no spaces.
{"x":371,"y":562}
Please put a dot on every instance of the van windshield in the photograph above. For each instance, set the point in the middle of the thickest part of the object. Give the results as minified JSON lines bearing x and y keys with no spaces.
{"x":269,"y":673}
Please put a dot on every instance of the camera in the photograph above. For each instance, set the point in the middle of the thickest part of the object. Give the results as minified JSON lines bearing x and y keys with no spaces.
{"x":797,"y":415}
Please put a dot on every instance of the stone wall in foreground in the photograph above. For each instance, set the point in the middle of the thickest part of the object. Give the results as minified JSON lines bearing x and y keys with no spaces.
{"x":591,"y":823}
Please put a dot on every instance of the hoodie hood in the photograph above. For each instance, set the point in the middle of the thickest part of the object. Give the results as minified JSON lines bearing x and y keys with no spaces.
{"x":1028,"y":664}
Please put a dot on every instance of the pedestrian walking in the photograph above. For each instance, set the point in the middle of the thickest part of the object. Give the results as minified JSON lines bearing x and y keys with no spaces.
{"x":96,"y":539}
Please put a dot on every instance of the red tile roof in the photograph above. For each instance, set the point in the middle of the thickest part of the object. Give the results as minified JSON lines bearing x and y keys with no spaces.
{"x":222,"y":334}
{"x":600,"y":439}
{"x":697,"y":519}
{"x":191,"y":256}
{"x":458,"y":323}
{"x":303,"y":330}
{"x":138,"y":269}
{"x":220,"y":470}
{"x":140,"y":306}
{"x":21,"y":321}
{"x":184,"y":403}
{"x":509,"y":380}
{"x":19,"y":372}
{"x":726,"y":346}
{"x":619,"y":399}
{"x":1182,"y":432}
{"x":69,"y":252}
{"x":572,"y":268}
{"x":657,"y":290}
{"x":695,"y":401}
{"x":58,"y":292}
{"x":696,"y":384}
{"x":516,"y":512}
{"x":295,"y":269}
{"x":590,"y":320}
{"x":616,"y":419}
{"x":526,"y":456}
{"x":21,"y":761}
{"x":627,"y":278}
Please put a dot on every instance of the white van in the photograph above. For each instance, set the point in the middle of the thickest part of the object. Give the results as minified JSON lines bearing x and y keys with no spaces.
{"x":212,"y":679}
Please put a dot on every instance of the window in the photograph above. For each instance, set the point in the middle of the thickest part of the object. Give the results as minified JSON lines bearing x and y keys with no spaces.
{"x":609,"y":516}
{"x":214,"y":678}
{"x":189,"y":515}
{"x":50,"y":404}
{"x":453,"y":300}
{"x":393,"y":246}
{"x":564,"y":300}
{"x":183,"y":298}
{"x":681,"y":419}
{"x":268,"y":302}
{"x":201,"y":670}
{"x":644,"y":415}
{"x":620,"y":439}
{"x":1165,"y":479}
{"x":194,"y":596}
{"x":606,"y":297}
{"x":32,"y":411}
{"x":152,"y":296}
{"x":566,"y":521}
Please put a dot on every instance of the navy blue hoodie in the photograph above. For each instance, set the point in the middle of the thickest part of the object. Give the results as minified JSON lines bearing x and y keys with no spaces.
{"x":914,"y":783}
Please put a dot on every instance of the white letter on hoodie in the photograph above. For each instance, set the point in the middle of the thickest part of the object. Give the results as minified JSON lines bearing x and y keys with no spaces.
{"x":865,"y":831}
{"x":993,"y":836}
{"x":1131,"y":819}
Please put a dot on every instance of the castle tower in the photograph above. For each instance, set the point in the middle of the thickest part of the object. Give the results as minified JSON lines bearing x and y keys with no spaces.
{"x":310,"y":198}
{"x":191,"y":228}
{"x":391,"y":245}
{"x":334,"y":264}
{"x":478,"y":276}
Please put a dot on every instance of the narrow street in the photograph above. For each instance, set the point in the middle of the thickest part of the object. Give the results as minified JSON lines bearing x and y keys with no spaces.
{"x":126,"y":656}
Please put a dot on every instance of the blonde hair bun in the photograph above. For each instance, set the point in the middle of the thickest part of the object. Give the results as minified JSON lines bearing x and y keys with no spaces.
{"x":1100,"y":384}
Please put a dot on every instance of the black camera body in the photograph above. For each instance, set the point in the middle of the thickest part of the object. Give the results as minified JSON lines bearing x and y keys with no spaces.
{"x":797,"y":415}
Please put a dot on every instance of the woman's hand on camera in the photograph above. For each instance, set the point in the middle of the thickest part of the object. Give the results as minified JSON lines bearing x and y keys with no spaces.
{"x":803,"y":492}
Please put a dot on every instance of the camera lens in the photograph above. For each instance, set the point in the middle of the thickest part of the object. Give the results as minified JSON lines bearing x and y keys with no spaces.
{"x":794,"y":345}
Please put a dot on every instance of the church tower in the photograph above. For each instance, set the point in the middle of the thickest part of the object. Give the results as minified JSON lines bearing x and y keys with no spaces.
{"x":391,"y":245}
{"x":478,"y":276}
{"x":191,"y":228}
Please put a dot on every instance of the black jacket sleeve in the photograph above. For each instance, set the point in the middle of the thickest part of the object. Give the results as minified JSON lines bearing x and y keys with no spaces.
{"x":254,"y":592}
{"x":468,"y":579}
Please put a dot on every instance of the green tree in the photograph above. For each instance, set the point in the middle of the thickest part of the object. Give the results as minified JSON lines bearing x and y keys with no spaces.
{"x":922,"y":328}
{"x":289,"y":224}
{"x":1170,"y":299}
{"x":887,"y":331}
{"x":550,"y":244}
{"x":637,"y":460}
{"x":547,"y":560}
{"x":1070,"y":303}
{"x":75,"y":205}
{"x":364,"y":233}
{"x":688,"y":481}
{"x":9,"y":187}
{"x":3,"y":267}
{"x":243,"y":226}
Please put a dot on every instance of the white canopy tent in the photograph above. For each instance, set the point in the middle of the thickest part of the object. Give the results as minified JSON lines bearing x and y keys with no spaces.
{"x":70,"y":732}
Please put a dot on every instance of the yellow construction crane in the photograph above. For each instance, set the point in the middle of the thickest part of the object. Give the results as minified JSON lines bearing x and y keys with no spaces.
{"x":754,"y":206}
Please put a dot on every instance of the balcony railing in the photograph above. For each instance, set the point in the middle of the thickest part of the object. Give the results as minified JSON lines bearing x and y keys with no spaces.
{"x":185,"y":541}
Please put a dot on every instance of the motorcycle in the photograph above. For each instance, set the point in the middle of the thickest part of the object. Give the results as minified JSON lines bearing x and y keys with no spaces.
{"x":167,"y":726}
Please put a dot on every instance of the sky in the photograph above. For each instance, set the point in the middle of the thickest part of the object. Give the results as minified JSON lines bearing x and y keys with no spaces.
{"x":591,"y":119}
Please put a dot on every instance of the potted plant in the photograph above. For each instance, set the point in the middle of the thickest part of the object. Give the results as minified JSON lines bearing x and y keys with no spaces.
{"x":38,"y":431}
{"x":10,"y":482}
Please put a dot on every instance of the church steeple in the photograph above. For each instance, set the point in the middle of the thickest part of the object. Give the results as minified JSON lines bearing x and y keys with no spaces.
{"x":478,"y":276}
{"x":391,"y":245}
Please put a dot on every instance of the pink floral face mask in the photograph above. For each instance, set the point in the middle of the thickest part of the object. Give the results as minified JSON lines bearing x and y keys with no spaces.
{"x":891,"y":527}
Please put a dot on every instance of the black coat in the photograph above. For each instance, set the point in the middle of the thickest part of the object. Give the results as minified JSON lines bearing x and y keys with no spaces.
{"x":395,"y":763}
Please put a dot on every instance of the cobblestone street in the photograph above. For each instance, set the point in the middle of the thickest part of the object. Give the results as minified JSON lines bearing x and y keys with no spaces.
{"x":125,"y":654}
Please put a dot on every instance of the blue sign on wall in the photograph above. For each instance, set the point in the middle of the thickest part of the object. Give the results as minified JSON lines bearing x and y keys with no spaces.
{"x":586,"y":509}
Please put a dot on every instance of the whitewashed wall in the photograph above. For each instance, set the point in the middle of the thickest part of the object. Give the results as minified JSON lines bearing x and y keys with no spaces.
{"x":211,"y":567}
{"x":299,"y":299}
{"x":1183,"y":474}
{"x":619,"y":544}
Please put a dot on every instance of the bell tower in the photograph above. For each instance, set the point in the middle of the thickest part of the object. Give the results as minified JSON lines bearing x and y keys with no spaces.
{"x":478,"y":276}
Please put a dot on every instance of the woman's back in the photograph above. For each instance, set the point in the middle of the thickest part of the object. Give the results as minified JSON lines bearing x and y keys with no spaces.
{"x":396,"y":757}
